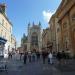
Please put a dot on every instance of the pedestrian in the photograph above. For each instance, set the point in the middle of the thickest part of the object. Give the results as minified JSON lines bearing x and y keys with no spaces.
{"x":10,"y":55}
{"x":25,"y":57}
{"x":38,"y":55}
{"x":44,"y":56}
{"x":59,"y":57}
{"x":50,"y":57}
{"x":20,"y":56}
{"x":29,"y":56}
{"x":63,"y":57}
{"x":33,"y":56}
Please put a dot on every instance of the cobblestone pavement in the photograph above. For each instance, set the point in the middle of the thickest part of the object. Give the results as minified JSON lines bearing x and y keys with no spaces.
{"x":16,"y":67}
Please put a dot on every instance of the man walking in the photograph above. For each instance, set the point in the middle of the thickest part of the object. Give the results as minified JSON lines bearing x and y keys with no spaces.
{"x":50,"y":57}
{"x":25,"y":57}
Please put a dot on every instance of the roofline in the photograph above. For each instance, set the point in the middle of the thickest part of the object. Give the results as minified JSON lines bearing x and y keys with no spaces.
{"x":7,"y":19}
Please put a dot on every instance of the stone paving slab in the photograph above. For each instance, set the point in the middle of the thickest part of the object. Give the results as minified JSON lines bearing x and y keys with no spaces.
{"x":16,"y":67}
{"x":66,"y":68}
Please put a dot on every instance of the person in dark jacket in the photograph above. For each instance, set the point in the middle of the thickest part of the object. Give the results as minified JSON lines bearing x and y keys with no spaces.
{"x":38,"y":55}
{"x":59,"y":57}
{"x":63,"y":57}
{"x":29,"y":56}
{"x":44,"y":56}
{"x":25,"y":57}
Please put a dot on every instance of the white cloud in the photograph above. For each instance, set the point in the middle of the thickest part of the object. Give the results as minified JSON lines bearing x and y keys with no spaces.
{"x":47,"y":15}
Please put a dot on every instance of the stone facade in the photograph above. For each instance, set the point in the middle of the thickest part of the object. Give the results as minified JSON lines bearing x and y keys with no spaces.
{"x":13,"y":43}
{"x":34,"y":38}
{"x":5,"y":30}
{"x":53,"y":32}
{"x":66,"y":20}
{"x":46,"y":39}
{"x":58,"y":35}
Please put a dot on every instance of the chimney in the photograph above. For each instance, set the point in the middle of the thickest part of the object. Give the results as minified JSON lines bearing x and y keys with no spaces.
{"x":3,"y":8}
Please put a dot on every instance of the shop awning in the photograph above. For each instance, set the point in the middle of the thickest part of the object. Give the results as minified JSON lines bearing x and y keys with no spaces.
{"x":2,"y":40}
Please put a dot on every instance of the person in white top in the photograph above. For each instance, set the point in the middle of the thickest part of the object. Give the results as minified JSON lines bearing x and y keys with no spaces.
{"x":50,"y":57}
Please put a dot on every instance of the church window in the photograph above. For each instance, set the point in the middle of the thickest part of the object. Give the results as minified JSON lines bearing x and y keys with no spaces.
{"x":34,"y":40}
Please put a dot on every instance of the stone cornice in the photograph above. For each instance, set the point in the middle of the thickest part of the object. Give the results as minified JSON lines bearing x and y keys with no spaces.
{"x":6,"y":18}
{"x":65,"y":9}
{"x":62,"y":6}
{"x":51,"y":19}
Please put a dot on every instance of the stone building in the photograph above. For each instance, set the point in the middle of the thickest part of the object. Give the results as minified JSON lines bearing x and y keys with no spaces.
{"x":52,"y":26}
{"x":66,"y":19}
{"x":5,"y":32}
{"x":34,"y":37}
{"x":46,"y":39}
{"x":13,"y":43}
{"x":58,"y":35}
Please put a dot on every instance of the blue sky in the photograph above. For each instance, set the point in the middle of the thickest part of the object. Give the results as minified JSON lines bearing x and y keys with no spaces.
{"x":21,"y":12}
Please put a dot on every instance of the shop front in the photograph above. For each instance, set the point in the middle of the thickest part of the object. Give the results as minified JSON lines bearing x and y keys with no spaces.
{"x":2,"y":45}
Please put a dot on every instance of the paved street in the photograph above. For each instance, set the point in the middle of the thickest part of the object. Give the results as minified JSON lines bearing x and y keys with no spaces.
{"x":16,"y":67}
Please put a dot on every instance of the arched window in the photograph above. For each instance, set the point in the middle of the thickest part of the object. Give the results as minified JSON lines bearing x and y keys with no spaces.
{"x":34,"y":39}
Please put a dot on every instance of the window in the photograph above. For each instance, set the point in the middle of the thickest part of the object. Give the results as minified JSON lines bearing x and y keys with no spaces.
{"x":5,"y":34}
{"x":6,"y":24}
{"x":34,"y":40}
{"x":2,"y":21}
{"x":9,"y":38}
{"x":65,"y":25}
{"x":58,"y":29}
{"x":1,"y":32}
{"x":10,"y":29}
{"x":73,"y":17}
